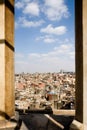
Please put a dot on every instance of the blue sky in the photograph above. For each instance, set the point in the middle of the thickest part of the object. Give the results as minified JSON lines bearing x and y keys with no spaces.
{"x":44,"y":36}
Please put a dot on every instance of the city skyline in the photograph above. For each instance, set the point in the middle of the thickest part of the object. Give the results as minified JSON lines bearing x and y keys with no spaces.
{"x":44,"y":36}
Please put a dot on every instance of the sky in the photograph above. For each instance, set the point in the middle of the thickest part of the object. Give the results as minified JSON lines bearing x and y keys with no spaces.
{"x":44,"y":36}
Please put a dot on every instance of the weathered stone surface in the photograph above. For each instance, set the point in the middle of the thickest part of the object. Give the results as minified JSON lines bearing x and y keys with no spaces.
{"x":76,"y":125}
{"x":7,"y":125}
{"x":6,"y":59}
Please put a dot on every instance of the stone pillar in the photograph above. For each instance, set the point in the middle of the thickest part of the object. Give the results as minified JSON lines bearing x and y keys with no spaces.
{"x":6,"y":60}
{"x":80,"y":122}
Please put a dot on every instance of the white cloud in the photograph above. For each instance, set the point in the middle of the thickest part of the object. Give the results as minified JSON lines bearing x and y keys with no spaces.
{"x":54,"y":30}
{"x":53,"y":9}
{"x":47,"y":39}
{"x":65,"y":50}
{"x":56,"y":9}
{"x":61,"y":57}
{"x":72,"y":55}
{"x":19,"y":55}
{"x":35,"y":55}
{"x":25,"y":1}
{"x":22,"y":63}
{"x":23,"y":22}
{"x":19,"y":5}
{"x":32,"y":9}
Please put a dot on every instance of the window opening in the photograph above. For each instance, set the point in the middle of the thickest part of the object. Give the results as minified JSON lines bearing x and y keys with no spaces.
{"x":44,"y":58}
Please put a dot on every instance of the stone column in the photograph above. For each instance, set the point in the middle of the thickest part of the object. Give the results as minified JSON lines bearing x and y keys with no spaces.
{"x":80,"y":122}
{"x":6,"y":60}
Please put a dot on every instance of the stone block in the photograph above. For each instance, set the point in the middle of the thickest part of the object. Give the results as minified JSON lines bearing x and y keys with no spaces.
{"x":76,"y":125}
{"x":7,"y":125}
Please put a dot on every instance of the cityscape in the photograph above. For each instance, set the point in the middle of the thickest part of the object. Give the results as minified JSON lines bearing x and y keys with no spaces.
{"x":41,"y":90}
{"x":44,"y":43}
{"x":45,"y":63}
